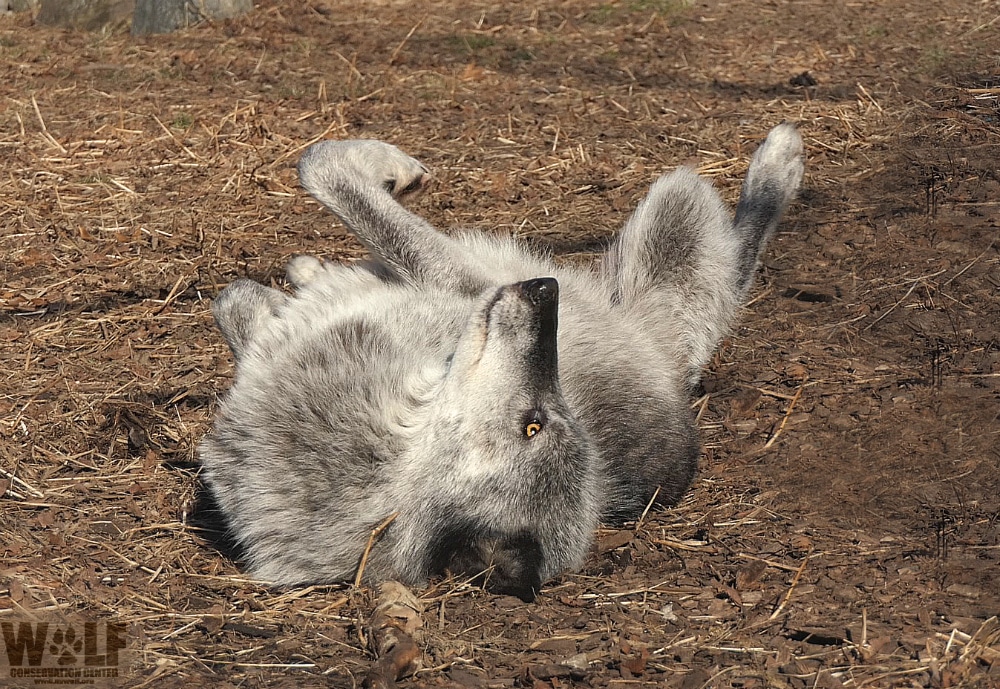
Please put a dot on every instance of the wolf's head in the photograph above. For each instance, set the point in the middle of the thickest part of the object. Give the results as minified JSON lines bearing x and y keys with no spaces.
{"x":502,"y":479}
{"x":446,"y":411}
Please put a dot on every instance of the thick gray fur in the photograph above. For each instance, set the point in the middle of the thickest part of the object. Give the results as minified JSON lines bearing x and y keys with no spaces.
{"x":405,"y":386}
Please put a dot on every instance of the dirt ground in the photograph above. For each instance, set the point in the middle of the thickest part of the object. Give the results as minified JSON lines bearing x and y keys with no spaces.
{"x":845,"y":526}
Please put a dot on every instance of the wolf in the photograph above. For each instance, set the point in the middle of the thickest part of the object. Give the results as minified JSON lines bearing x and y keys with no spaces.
{"x":476,"y":406}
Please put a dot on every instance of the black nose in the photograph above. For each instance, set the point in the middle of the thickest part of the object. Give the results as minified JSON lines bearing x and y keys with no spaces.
{"x":540,"y":290}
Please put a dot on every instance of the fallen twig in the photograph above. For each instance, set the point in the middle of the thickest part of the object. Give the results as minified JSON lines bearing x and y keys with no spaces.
{"x":791,"y":589}
{"x":376,"y":532}
{"x":784,"y":420}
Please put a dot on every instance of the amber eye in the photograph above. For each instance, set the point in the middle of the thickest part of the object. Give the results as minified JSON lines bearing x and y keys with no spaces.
{"x":534,"y":422}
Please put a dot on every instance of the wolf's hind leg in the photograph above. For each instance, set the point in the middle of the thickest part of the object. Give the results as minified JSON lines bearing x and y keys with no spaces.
{"x":674,"y":267}
{"x":683,"y":267}
{"x":358,"y":180}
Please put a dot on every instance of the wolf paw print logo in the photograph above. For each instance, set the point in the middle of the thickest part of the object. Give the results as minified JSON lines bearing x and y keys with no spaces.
{"x":63,"y":651}
{"x":65,"y":646}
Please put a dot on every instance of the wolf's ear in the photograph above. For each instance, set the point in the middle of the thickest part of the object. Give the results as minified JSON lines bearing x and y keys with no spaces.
{"x":242,"y":309}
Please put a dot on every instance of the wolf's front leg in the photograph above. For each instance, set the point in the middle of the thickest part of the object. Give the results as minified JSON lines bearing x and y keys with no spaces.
{"x":358,"y":181}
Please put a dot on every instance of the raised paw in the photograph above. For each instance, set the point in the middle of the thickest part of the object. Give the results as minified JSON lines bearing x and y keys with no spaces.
{"x":781,"y":159}
{"x":362,"y":162}
{"x":301,"y":270}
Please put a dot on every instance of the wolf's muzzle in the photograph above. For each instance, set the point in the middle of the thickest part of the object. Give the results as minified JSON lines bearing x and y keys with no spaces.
{"x":543,"y":295}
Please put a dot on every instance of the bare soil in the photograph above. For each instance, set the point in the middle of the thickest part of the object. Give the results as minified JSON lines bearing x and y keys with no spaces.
{"x":845,"y":527}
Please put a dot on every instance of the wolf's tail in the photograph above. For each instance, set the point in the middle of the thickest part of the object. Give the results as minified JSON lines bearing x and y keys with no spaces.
{"x":771,"y":183}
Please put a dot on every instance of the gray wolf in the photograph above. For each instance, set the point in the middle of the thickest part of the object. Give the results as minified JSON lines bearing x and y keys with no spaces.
{"x":497,"y":404}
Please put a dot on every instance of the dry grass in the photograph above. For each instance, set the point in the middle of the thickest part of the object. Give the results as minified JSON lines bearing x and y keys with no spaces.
{"x":844,"y":529}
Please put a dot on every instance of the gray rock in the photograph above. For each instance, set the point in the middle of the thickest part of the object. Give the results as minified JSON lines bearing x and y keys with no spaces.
{"x":89,"y":15}
{"x":164,"y":16}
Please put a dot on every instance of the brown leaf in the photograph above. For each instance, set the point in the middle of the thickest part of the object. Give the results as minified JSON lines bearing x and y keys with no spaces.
{"x":796,"y":371}
{"x":554,"y":645}
{"x":745,"y":401}
{"x":472,"y":72}
{"x":547,"y":671}
{"x":214,"y":620}
{"x":16,"y":591}
{"x":466,"y":678}
{"x":749,"y":574}
{"x":615,"y":540}
{"x":46,"y":518}
{"x":400,"y":606}
{"x":393,"y":623}
{"x":802,"y":542}
{"x":634,"y":665}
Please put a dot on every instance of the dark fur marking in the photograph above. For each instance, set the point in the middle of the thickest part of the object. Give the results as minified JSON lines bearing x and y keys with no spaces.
{"x":507,"y":564}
